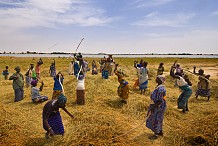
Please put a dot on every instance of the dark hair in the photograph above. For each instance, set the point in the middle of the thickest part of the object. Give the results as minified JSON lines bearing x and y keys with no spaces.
{"x":201,"y":72}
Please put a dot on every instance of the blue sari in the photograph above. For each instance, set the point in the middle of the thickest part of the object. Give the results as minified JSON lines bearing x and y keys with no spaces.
{"x":76,"y":68}
{"x":143,"y":78}
{"x":55,"y":121}
{"x":156,"y":114}
{"x":184,"y":96}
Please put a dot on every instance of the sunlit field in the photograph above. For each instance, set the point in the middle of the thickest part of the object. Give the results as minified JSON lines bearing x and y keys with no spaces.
{"x":104,"y":117}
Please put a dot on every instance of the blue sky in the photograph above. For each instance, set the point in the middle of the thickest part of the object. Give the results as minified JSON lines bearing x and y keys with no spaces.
{"x":109,"y":26}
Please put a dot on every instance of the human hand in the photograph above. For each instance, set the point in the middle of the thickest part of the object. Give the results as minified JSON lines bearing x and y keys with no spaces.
{"x":72,"y":116}
{"x":51,"y":132}
{"x":15,"y":77}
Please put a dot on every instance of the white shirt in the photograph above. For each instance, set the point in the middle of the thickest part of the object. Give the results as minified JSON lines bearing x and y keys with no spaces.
{"x":181,"y":82}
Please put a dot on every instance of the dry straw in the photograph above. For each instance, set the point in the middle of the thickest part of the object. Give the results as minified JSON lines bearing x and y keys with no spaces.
{"x":104,"y":117}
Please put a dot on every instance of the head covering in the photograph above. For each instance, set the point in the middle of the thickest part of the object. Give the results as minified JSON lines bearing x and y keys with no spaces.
{"x":17,"y":68}
{"x":80,"y":77}
{"x":34,"y":82}
{"x":62,"y":99}
{"x":177,"y":65}
{"x":201,"y":71}
{"x":121,"y":72}
{"x":162,"y":78}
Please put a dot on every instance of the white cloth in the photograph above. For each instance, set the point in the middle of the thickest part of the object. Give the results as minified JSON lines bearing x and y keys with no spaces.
{"x":80,"y":84}
{"x":143,"y":75}
{"x":34,"y":93}
{"x":71,"y":68}
{"x":181,"y":82}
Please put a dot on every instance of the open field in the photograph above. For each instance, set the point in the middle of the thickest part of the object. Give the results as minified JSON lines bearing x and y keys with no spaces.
{"x":103,"y":116}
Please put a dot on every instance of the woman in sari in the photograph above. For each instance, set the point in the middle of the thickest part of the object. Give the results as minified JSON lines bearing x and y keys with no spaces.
{"x":52,"y":70}
{"x":203,"y":85}
{"x":35,"y":95}
{"x":157,"y":108}
{"x":52,"y":121}
{"x":94,"y":68}
{"x":58,"y":83}
{"x":123,"y":89}
{"x":184,"y":87}
{"x":160,"y":69}
{"x":80,"y":88}
{"x":143,"y":77}
{"x":39,"y":63}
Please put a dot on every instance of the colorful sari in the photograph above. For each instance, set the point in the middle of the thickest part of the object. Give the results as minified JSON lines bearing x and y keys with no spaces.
{"x":184,"y":96}
{"x":55,"y":121}
{"x":52,"y":71}
{"x":203,"y":87}
{"x":155,"y":115}
{"x":76,"y":68}
{"x":143,"y":78}
{"x":123,"y":89}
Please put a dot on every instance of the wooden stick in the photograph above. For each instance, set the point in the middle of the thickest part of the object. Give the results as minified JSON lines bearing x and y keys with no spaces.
{"x":79,"y":45}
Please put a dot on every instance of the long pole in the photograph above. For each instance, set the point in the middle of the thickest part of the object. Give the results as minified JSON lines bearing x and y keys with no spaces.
{"x":200,"y":76}
{"x":79,"y":45}
{"x":75,"y":53}
{"x":52,"y":46}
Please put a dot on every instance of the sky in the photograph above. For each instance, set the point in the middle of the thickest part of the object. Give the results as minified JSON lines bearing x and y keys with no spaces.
{"x":109,"y":26}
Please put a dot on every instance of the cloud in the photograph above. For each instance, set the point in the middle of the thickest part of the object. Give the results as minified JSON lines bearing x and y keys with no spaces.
{"x":16,"y":15}
{"x":156,"y":19}
{"x":151,"y":3}
{"x":215,"y":13}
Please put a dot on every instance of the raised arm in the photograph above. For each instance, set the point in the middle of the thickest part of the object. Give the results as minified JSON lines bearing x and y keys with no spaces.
{"x":115,"y":69}
{"x":13,"y":77}
{"x":172,"y":74}
{"x":41,"y":87}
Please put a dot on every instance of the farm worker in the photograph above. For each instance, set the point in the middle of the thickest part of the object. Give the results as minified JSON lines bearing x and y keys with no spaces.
{"x":137,"y":66}
{"x":5,"y":72}
{"x":160,"y":69}
{"x":35,"y":96}
{"x":52,"y":69}
{"x":18,"y":83}
{"x":30,"y":75}
{"x":157,"y":108}
{"x":143,"y":77}
{"x":71,"y":67}
{"x":39,"y":63}
{"x":123,"y":89}
{"x":203,"y":85}
{"x":52,"y":121}
{"x":184,"y":87}
{"x":58,"y":83}
{"x":80,"y":88}
{"x":94,"y":68}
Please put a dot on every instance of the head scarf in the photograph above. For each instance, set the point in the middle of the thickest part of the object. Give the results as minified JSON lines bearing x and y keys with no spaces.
{"x":121,"y":72}
{"x":80,"y":77}
{"x":62,"y":99}
{"x":162,"y":78}
{"x":17,"y":68}
{"x":34,"y":82}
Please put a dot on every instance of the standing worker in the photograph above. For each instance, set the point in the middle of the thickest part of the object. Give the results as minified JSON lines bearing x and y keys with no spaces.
{"x":18,"y":83}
